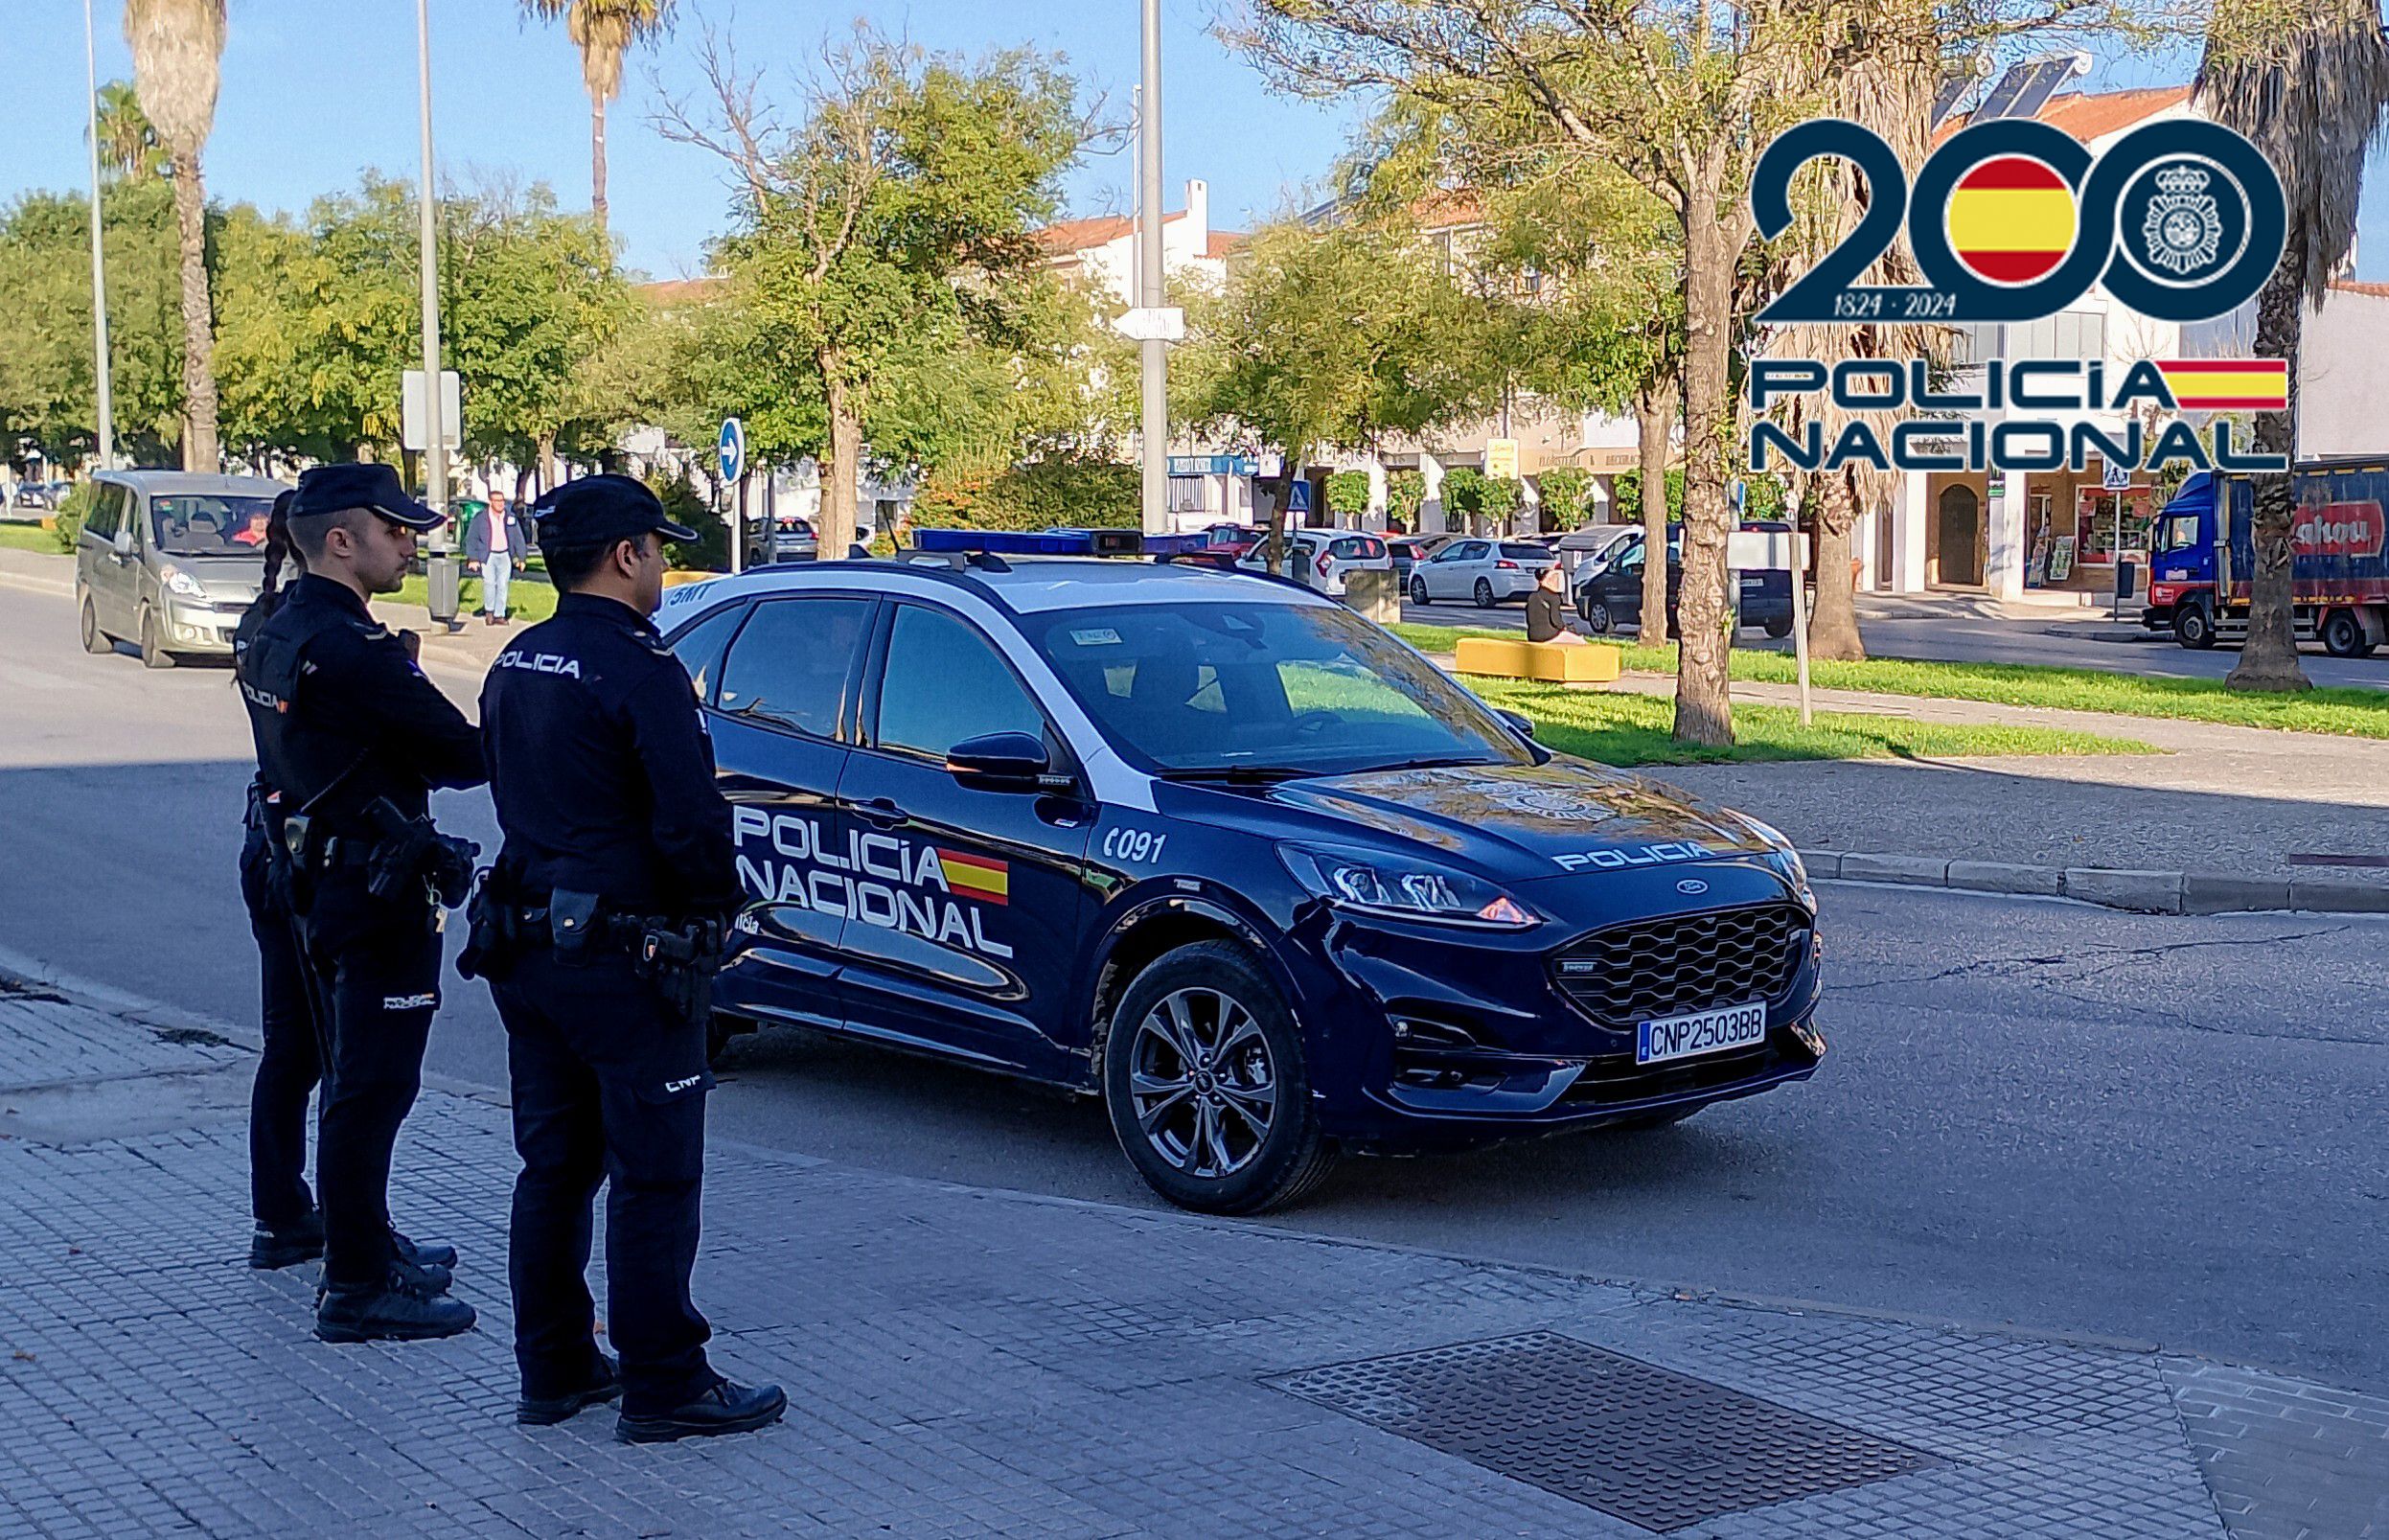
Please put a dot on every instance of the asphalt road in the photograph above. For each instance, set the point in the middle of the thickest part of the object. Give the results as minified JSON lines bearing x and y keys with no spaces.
{"x":2062,"y":1118}
{"x":1894,"y":627}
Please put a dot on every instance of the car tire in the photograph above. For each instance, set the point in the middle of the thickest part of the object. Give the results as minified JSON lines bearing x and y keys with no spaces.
{"x":1418,"y":592}
{"x":1778,"y":630}
{"x":1484,"y":595}
{"x":153,"y":653}
{"x":1596,"y":618}
{"x":2193,"y":626}
{"x":97,"y":642}
{"x":2342,"y":635}
{"x":1201,"y":1146}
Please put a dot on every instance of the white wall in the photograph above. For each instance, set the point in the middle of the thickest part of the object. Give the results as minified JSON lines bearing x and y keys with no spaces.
{"x":2343,"y":376}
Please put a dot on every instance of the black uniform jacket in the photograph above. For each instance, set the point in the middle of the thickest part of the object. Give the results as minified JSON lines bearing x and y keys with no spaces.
{"x":601,"y":768}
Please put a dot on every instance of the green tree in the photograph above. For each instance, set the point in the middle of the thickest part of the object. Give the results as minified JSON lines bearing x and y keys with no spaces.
{"x":892,"y":226}
{"x":177,"y":52}
{"x":1405,"y":492}
{"x":604,"y":32}
{"x":2307,"y":82}
{"x":1334,"y":339}
{"x":129,"y":146}
{"x":1566,"y":491}
{"x":1348,"y":494}
{"x":1463,"y":493}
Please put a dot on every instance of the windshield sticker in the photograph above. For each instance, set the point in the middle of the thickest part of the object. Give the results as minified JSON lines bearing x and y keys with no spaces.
{"x":882,"y":880}
{"x":1659,"y":855}
{"x":1102,"y":637}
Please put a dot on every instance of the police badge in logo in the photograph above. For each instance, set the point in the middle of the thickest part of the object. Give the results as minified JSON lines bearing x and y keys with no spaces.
{"x":2182,"y":230}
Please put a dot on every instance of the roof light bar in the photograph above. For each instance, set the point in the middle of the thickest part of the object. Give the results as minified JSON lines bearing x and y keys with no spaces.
{"x":1032,"y":542}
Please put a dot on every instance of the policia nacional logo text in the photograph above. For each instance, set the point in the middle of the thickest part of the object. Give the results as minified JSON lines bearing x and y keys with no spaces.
{"x":882,"y":880}
{"x":2012,"y":220}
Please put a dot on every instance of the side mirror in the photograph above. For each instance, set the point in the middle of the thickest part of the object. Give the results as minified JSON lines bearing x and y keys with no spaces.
{"x":123,"y":544}
{"x":1003,"y":761}
{"x":1519,"y":724}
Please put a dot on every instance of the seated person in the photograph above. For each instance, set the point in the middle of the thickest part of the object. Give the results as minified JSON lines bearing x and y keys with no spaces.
{"x":1547,"y":610}
{"x":255,"y":533}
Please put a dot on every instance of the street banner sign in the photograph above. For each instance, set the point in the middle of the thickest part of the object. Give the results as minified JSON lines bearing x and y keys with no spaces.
{"x":411,"y":433}
{"x":1500,"y":459}
{"x":731,"y":446}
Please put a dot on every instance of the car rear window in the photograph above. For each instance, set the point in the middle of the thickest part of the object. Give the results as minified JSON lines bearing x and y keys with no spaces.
{"x":1523,"y":552}
{"x":1358,"y":548}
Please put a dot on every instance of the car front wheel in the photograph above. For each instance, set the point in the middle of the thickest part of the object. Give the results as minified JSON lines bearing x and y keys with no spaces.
{"x":1204,"y":1078}
{"x":1418,"y":591}
{"x":1596,"y":617}
{"x":2193,"y":626}
{"x":153,"y":653}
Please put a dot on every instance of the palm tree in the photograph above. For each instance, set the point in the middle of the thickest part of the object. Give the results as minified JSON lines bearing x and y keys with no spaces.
{"x":604,"y":30}
{"x":2308,"y":82}
{"x":129,"y":146}
{"x":178,"y":53}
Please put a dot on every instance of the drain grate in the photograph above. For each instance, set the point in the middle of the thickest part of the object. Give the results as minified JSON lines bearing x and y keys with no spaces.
{"x":1649,"y":1445}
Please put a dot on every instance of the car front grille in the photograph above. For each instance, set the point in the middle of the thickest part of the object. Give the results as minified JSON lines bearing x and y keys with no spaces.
{"x":1633,"y":972}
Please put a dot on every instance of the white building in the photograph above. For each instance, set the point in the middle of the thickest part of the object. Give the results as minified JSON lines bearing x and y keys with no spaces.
{"x":1104,"y":249}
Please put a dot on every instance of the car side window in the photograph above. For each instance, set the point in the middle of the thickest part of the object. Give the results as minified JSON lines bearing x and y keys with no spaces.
{"x":944,"y":682}
{"x":699,"y":648}
{"x":107,"y":509}
{"x":792,"y":660}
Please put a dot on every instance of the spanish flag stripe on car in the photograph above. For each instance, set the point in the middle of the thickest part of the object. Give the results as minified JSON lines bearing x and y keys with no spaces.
{"x":2227,"y":384}
{"x":978,"y":876}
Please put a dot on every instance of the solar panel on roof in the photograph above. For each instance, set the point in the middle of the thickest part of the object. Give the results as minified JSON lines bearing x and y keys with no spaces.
{"x":2003,"y":96}
{"x":2047,"y":76}
{"x":1954,"y":88}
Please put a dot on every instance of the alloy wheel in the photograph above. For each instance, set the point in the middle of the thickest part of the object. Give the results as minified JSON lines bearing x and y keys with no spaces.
{"x":1201,"y":1083}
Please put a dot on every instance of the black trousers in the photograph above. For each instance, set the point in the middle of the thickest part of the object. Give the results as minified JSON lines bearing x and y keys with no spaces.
{"x":375,"y":968}
{"x":609,"y":1086}
{"x":291,"y":1062}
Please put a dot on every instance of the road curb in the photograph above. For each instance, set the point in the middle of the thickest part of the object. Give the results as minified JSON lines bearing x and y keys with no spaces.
{"x":2142,"y":892}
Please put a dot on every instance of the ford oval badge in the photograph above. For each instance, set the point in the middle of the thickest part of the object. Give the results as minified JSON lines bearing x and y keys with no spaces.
{"x":1691,"y":886}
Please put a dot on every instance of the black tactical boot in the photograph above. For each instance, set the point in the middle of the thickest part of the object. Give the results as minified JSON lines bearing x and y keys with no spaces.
{"x":727,"y":1408}
{"x":543,"y":1411}
{"x":422,"y":1253}
{"x":279,"y":1246}
{"x":402,"y":1308}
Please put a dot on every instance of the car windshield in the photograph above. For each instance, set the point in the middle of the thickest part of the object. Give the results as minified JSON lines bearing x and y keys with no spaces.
{"x":1229,"y":689}
{"x":210,"y":524}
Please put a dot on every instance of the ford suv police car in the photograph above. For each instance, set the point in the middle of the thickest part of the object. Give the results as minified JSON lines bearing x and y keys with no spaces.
{"x":1220,"y":851}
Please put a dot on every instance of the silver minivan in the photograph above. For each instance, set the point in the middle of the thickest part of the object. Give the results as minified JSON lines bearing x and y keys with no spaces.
{"x":168,"y":560}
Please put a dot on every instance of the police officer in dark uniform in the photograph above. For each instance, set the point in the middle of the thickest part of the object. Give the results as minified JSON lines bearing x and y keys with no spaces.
{"x":599,"y":929}
{"x":353,"y":737}
{"x":290,"y":1228}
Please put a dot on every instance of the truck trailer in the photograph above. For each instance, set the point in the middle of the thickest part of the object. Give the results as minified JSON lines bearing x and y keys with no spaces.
{"x":2203,"y":556}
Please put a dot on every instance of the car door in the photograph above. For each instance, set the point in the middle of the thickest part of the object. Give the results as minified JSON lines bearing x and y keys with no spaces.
{"x":113,"y":572}
{"x":1620,"y":586}
{"x":966,"y":924}
{"x":782,"y":712}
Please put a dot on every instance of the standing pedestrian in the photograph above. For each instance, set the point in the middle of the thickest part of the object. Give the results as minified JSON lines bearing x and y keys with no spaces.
{"x":288,"y":1228}
{"x":354,"y":737}
{"x":601,"y":921}
{"x":494,"y":542}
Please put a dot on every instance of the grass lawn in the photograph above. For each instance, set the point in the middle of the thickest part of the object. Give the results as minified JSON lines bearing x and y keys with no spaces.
{"x":2344,"y":712}
{"x":29,"y":537}
{"x":525,"y":602}
{"x":1620,"y":728}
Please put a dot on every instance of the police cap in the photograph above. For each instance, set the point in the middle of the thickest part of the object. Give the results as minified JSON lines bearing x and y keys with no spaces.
{"x":336,"y":488}
{"x":595,"y":510}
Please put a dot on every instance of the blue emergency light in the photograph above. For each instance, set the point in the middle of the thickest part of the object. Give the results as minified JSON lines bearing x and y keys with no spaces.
{"x":1034,"y":543}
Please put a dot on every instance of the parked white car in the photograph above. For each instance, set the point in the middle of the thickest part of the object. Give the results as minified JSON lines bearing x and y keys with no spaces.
{"x":1323,"y":559}
{"x":1486,"y":572}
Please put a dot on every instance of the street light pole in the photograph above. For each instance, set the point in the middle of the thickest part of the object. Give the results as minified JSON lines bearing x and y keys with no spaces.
{"x":443,"y":589}
{"x":1152,"y":280}
{"x":99,"y":268}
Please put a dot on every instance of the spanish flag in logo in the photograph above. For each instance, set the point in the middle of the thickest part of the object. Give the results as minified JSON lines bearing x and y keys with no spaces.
{"x":2227,"y":384}
{"x":979,"y":877}
{"x":2012,"y":219}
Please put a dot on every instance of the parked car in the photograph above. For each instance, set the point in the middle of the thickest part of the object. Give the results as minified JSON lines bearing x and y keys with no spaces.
{"x":1486,"y":571}
{"x":170,"y":559}
{"x":1408,"y":551}
{"x":1325,"y":559}
{"x":1609,"y":590}
{"x":31,"y":499}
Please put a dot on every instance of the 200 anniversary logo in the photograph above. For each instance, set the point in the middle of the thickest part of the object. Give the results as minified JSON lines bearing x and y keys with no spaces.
{"x":2012,"y":220}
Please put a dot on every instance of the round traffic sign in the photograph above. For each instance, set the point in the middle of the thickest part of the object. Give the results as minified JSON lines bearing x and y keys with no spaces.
{"x":732,"y":448}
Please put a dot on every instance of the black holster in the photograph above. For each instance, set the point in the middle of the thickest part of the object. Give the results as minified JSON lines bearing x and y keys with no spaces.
{"x":495,"y":940}
{"x":681,"y":961}
{"x":412,"y":851}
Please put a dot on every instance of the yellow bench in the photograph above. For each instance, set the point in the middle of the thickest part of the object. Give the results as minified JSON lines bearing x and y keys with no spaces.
{"x":675,"y":577}
{"x":1508,"y":658}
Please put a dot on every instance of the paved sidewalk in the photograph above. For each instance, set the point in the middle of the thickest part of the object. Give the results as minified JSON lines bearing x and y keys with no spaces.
{"x":965,"y":1362}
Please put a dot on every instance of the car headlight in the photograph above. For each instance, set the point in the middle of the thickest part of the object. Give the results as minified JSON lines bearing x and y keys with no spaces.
{"x":1403,"y":889}
{"x":181,"y":584}
{"x":1785,"y":855}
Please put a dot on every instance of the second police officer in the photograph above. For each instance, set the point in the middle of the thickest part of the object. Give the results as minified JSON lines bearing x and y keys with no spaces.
{"x":599,"y":929}
{"x":351,"y":739}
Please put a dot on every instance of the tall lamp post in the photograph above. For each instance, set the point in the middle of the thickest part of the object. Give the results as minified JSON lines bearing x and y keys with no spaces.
{"x":441,"y":572}
{"x":99,"y":268}
{"x":1151,"y":281}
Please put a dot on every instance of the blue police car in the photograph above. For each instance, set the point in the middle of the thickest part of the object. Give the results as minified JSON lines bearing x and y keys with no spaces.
{"x":1216,"y":849}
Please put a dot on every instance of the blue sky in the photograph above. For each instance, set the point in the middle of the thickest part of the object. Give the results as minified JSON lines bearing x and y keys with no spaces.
{"x":309,"y":101}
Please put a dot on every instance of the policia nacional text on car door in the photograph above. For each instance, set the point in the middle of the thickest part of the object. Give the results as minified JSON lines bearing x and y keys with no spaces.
{"x":1215,"y":849}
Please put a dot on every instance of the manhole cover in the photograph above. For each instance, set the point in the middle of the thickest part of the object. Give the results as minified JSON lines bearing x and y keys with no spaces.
{"x":1651,"y":1446}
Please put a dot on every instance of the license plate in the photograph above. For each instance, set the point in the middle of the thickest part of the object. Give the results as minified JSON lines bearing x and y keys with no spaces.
{"x":1684,"y":1037}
